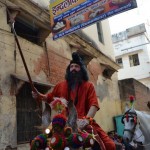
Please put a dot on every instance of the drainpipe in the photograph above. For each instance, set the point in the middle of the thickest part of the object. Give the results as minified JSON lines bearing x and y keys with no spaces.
{"x":45,"y":45}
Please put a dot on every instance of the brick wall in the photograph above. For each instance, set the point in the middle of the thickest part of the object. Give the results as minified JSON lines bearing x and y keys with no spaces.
{"x":94,"y":71}
{"x":133,"y":87}
{"x":58,"y":65}
{"x":142,"y":94}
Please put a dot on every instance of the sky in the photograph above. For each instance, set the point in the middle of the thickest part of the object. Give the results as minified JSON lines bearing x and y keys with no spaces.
{"x":131,"y":18}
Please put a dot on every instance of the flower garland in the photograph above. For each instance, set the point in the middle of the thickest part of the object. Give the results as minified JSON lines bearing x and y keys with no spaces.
{"x":91,"y":120}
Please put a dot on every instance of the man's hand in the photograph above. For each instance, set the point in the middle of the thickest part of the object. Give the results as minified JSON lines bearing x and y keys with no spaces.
{"x":38,"y":96}
{"x":35,"y":94}
{"x":82,"y":123}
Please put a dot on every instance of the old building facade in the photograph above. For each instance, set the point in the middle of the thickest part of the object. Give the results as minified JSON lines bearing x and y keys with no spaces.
{"x":46,"y":61}
{"x":132,"y":53}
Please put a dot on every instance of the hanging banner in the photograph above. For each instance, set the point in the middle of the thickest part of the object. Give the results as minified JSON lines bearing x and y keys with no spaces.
{"x":67,"y":16}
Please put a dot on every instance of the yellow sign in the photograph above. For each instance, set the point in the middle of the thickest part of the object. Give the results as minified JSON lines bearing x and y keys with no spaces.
{"x":67,"y":16}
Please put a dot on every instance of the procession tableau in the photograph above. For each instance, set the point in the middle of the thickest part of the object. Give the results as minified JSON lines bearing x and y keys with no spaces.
{"x":62,"y":132}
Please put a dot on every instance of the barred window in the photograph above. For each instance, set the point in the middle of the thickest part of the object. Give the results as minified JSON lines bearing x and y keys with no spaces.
{"x":28,"y":119}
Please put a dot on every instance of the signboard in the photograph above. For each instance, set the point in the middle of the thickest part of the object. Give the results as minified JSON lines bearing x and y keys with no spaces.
{"x":67,"y":16}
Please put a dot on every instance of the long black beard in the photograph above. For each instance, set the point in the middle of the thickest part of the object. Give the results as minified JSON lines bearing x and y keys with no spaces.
{"x":74,"y":78}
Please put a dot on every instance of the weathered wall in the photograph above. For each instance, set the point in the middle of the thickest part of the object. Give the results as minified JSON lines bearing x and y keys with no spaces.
{"x":108,"y":95}
{"x":105,"y":47}
{"x":110,"y":104}
{"x":7,"y":99}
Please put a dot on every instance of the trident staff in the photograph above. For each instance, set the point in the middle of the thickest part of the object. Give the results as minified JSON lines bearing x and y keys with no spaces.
{"x":12,"y":21}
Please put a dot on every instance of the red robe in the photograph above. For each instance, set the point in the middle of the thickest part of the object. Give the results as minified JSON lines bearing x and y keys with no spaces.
{"x":86,"y":98}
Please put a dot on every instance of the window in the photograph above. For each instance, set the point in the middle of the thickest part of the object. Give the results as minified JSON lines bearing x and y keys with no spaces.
{"x":29,"y":27}
{"x":134,"y":60}
{"x":100,"y":32}
{"x":27,"y":31}
{"x":28,"y":119}
{"x":119,"y":62}
{"x":107,"y":71}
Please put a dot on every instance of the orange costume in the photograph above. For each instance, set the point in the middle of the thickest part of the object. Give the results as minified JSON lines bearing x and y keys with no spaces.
{"x":86,"y":98}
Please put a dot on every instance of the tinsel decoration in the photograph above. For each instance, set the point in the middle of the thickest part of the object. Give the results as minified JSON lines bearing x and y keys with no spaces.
{"x":67,"y":131}
{"x":88,"y":140}
{"x":75,"y":140}
{"x":58,"y":123}
{"x":59,"y":105}
{"x":39,"y":142}
{"x":57,"y":142}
